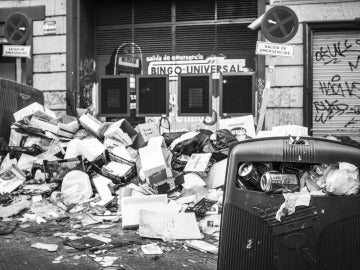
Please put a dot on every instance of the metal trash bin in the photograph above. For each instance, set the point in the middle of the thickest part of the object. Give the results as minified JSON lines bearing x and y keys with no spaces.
{"x":13,"y":97}
{"x":324,"y":235}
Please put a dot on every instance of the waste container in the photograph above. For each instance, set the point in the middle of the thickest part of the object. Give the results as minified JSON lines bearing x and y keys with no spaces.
{"x":13,"y":97}
{"x":323,"y":235}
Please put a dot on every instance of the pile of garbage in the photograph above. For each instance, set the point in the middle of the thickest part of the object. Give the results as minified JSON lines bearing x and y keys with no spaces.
{"x":167,"y":186}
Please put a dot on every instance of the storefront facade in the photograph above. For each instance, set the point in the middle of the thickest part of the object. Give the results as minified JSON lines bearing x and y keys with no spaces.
{"x":76,"y":43}
{"x":45,"y":68}
{"x":320,"y":86}
{"x":173,"y":38}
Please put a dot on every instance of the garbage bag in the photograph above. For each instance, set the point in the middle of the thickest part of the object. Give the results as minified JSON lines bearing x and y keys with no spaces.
{"x":198,"y":144}
{"x":76,"y":187}
{"x":224,"y":139}
{"x":343,"y":180}
{"x":170,"y":137}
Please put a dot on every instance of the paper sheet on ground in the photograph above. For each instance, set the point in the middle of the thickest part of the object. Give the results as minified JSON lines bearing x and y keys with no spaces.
{"x":167,"y":226}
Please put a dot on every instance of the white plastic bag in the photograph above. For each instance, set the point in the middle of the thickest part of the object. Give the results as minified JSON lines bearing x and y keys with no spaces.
{"x":344,"y":180}
{"x":76,"y":187}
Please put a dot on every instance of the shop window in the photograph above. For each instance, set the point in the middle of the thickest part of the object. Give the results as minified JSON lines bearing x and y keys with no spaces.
{"x":237,"y":94}
{"x":194,"y":94}
{"x":114,"y":96}
{"x":152,"y":95}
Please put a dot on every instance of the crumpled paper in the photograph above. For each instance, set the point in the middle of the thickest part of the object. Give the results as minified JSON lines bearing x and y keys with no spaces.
{"x":344,"y":180}
{"x":291,"y":201}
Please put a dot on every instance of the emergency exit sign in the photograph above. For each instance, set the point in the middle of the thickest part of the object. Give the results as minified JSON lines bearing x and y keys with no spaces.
{"x":275,"y":49}
{"x":16,"y":51}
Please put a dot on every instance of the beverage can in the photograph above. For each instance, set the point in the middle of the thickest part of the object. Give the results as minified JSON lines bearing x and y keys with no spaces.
{"x":279,"y":182}
{"x":248,"y":172}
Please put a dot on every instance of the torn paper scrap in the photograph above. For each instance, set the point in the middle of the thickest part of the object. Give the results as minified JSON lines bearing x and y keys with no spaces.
{"x":291,"y":201}
{"x":202,"y":246}
{"x":151,"y":249}
{"x":99,"y":237}
{"x":48,"y":247}
{"x":168,"y":226}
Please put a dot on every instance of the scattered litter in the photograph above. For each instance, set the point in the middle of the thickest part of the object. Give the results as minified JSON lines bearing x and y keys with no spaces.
{"x":18,"y":205}
{"x":83,"y":243}
{"x":102,"y":186}
{"x":69,"y":235}
{"x":105,"y":226}
{"x":291,"y":201}
{"x":168,"y":226}
{"x":151,"y":249}
{"x":58,"y":259}
{"x":76,"y":187}
{"x":344,"y":180}
{"x":202,"y":246}
{"x":48,"y":247}
{"x":106,"y":261}
{"x":10,"y":179}
{"x":7,"y":227}
{"x":99,"y":237}
{"x":131,"y":206}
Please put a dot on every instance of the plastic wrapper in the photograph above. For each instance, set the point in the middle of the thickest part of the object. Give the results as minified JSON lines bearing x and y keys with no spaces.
{"x":76,"y":188}
{"x":343,"y":180}
{"x":170,"y":137}
{"x":198,"y":144}
{"x":224,"y":139}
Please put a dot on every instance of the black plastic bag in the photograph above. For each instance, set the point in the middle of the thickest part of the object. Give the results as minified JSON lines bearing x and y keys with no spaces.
{"x":170,"y":137}
{"x":198,"y":144}
{"x":224,"y":139}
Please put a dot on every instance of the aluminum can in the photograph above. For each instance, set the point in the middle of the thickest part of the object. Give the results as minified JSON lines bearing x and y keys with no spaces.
{"x":248,"y":172}
{"x":274,"y":181}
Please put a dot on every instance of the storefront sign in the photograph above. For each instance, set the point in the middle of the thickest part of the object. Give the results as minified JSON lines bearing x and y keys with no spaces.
{"x":268,"y":48}
{"x":192,"y":64}
{"x":16,"y":51}
{"x":50,"y":28}
{"x":129,"y":61}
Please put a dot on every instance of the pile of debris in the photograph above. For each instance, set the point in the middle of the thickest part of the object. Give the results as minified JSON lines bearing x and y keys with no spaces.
{"x":91,"y":173}
{"x":80,"y":172}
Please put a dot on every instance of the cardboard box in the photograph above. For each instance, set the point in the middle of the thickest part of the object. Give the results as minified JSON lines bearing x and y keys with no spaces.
{"x":10,"y":179}
{"x":131,"y":206}
{"x":91,"y":123}
{"x":153,"y":163}
{"x":198,"y":162}
{"x":145,"y":132}
{"x":239,"y":126}
{"x":121,"y":131}
{"x":169,"y":184}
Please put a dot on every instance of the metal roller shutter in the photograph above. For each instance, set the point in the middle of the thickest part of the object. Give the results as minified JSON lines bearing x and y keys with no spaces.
{"x":189,"y":10}
{"x":195,"y":39}
{"x":336,"y":84}
{"x":234,"y":9}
